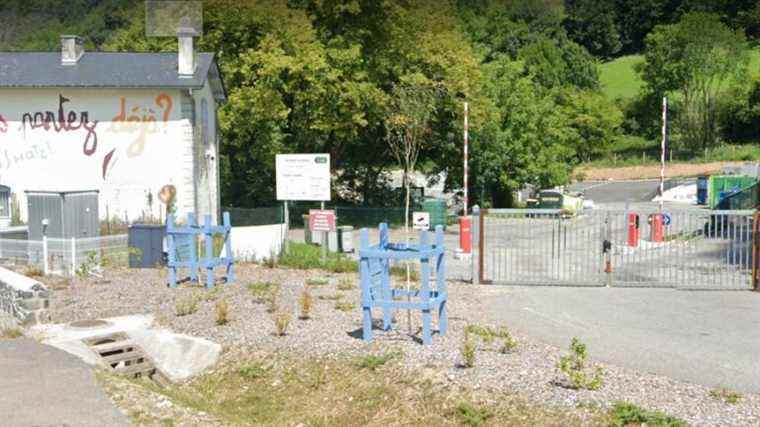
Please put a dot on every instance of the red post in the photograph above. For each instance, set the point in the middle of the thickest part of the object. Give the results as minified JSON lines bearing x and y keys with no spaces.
{"x":465,"y":234}
{"x":633,"y":230}
{"x":657,"y":227}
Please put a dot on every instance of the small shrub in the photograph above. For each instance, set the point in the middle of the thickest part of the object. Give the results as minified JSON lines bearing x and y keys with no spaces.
{"x":303,"y":256}
{"x":489,"y":335}
{"x":345,"y":285}
{"x":316,"y":282}
{"x":306,"y":302}
{"x":625,"y":414}
{"x":331,"y":297}
{"x":400,"y":271}
{"x":33,"y":271}
{"x":574,"y":368}
{"x":89,"y":264}
{"x":222,"y":312}
{"x":468,"y":351}
{"x":345,"y":306}
{"x":508,"y":344}
{"x":473,"y":415}
{"x":186,"y":305}
{"x":11,"y":333}
{"x":726,"y":395}
{"x":252,"y":371}
{"x":266,"y":293}
{"x":281,"y":321}
{"x":372,"y":362}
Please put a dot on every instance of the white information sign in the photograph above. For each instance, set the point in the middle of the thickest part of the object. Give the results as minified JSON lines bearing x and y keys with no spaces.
{"x":421,"y":220}
{"x":303,"y":177}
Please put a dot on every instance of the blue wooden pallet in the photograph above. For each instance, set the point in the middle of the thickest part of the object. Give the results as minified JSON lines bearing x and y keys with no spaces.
{"x":182,"y":245}
{"x":374,"y":268}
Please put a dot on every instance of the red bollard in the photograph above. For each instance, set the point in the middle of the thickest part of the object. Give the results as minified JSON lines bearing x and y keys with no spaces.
{"x":657,"y":227}
{"x":465,"y":234}
{"x":633,"y":230}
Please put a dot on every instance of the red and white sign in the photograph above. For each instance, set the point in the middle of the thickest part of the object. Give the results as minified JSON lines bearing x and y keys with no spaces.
{"x":321,"y":220}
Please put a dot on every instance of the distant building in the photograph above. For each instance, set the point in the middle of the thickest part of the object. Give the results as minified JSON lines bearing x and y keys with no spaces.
{"x":125,"y":124}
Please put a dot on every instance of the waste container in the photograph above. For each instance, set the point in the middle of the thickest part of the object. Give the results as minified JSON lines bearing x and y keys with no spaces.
{"x":148,"y":243}
{"x":437,"y":210}
{"x":332,"y":241}
{"x":346,"y":238}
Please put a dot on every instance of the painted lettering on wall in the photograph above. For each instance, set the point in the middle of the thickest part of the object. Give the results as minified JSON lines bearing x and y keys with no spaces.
{"x":10,"y":158}
{"x":63,"y":122}
{"x":142,"y":120}
{"x":3,"y":124}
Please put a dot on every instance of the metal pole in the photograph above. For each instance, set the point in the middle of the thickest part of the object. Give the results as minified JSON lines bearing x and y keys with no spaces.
{"x":466,"y":142}
{"x":662,"y":148}
{"x":287,"y":226}
{"x":73,"y":255}
{"x":325,"y":236}
{"x":45,"y":267}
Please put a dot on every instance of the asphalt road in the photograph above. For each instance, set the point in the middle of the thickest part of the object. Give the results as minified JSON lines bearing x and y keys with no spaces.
{"x":708,"y":338}
{"x":44,"y":386}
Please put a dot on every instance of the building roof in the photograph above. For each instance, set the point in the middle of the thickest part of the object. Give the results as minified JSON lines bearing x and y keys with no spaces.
{"x":106,"y":70}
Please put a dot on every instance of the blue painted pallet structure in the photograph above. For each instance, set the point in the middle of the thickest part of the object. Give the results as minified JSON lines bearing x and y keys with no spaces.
{"x":182,"y":245}
{"x":375,"y":279}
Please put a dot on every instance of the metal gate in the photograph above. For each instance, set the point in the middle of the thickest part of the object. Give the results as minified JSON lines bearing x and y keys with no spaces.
{"x":691,"y":248}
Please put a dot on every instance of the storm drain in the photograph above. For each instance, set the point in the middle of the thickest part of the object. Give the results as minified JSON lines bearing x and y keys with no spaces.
{"x":125,"y":357}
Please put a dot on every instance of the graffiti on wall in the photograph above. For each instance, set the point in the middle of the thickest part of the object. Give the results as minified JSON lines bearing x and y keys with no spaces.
{"x":10,"y":158}
{"x":142,"y":120}
{"x":3,"y":124}
{"x":63,"y":122}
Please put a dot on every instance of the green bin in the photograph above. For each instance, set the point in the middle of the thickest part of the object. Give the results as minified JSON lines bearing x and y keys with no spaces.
{"x":437,"y":210}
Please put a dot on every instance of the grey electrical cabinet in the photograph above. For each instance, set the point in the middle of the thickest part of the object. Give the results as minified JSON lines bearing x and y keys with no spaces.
{"x":5,"y":206}
{"x":148,"y":243}
{"x":67,"y":214}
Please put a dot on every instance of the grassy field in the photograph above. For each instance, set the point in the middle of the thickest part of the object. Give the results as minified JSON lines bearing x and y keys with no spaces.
{"x":620,"y":80}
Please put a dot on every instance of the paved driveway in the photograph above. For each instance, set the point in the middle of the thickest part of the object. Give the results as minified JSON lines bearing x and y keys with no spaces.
{"x":43,"y":386}
{"x":709,"y":338}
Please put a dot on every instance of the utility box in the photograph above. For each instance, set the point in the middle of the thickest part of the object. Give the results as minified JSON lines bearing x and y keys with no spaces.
{"x":148,"y":243}
{"x":5,"y":206}
{"x":346,"y":238}
{"x":67,"y":214}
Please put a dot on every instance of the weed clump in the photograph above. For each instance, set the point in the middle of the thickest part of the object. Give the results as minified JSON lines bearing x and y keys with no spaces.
{"x":345,"y":285}
{"x":252,"y":371}
{"x":186,"y":305}
{"x":726,"y":395}
{"x":468,"y":350}
{"x":316,"y":282}
{"x":265,"y":293}
{"x":473,"y":415}
{"x":372,"y":362}
{"x":344,"y":306}
{"x":303,"y":256}
{"x":574,"y":368}
{"x":281,"y":321}
{"x":625,"y":414}
{"x":222,"y":312}
{"x":490,"y":335}
{"x":306,"y":301}
{"x":10,"y":333}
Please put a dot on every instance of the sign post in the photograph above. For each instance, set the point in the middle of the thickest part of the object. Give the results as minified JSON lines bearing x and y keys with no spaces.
{"x":303,"y":177}
{"x":321,"y":220}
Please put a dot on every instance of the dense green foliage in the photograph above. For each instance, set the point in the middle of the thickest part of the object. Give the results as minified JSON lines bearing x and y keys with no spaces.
{"x":320,"y":75}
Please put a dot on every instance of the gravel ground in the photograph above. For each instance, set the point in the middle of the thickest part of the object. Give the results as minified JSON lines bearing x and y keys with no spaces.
{"x":529,"y":370}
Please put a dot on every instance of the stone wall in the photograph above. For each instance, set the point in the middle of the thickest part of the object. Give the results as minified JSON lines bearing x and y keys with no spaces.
{"x":24,"y":298}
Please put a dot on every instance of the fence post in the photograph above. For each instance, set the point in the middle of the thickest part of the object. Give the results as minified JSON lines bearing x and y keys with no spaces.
{"x":476,"y":252}
{"x":73,"y":255}
{"x":45,"y":267}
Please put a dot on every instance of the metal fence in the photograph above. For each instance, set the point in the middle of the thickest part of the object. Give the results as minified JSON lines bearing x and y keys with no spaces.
{"x":698,"y":248}
{"x":66,"y":256}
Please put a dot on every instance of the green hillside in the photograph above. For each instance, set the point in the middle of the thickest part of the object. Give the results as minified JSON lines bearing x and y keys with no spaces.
{"x":618,"y":77}
{"x":620,"y":80}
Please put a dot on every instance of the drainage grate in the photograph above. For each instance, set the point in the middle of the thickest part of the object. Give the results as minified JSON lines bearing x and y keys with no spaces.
{"x":125,"y":357}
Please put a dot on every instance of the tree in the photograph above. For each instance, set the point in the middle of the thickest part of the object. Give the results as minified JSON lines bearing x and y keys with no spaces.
{"x":694,"y":57}
{"x":411,"y":108}
{"x":592,"y":24}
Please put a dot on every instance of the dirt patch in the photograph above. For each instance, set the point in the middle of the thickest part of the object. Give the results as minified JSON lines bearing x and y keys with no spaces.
{"x":672,"y":170}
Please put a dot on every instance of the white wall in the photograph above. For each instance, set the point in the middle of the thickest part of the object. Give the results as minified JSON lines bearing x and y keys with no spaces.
{"x":132,"y":143}
{"x":255,"y":243}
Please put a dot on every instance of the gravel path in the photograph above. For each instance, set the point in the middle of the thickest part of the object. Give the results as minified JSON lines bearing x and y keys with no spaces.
{"x":529,"y":370}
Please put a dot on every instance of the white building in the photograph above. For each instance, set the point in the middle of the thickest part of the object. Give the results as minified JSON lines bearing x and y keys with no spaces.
{"x":125,"y":124}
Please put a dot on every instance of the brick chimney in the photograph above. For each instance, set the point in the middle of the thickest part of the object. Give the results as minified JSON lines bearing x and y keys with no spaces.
{"x":72,"y":48}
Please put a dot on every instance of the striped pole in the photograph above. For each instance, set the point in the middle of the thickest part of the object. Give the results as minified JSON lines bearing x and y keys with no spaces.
{"x":466,"y":141}
{"x":662,"y":148}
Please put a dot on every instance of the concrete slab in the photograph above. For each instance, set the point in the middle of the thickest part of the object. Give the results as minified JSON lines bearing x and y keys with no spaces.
{"x":178,"y":356}
{"x":710,"y":337}
{"x":45,"y":386}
